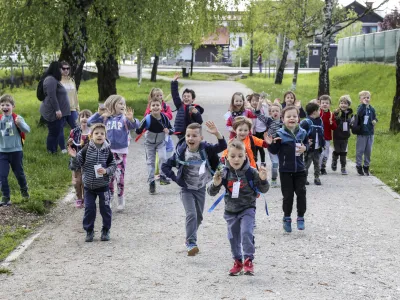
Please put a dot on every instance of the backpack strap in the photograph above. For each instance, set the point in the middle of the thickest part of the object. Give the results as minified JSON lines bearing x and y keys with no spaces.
{"x":224,"y":182}
{"x":252,"y":145}
{"x":21,"y":134}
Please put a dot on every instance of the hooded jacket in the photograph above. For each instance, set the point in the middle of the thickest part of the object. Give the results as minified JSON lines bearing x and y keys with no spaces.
{"x":342,"y":117}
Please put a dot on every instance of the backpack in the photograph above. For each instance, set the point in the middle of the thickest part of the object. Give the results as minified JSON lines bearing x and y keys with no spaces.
{"x":22,"y":134}
{"x":40,"y":94}
{"x":311,"y":126}
{"x":355,"y":124}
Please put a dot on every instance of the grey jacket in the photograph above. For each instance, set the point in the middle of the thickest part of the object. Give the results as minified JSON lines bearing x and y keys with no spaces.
{"x":247,"y":196}
{"x":95,"y":156}
{"x":56,"y":99}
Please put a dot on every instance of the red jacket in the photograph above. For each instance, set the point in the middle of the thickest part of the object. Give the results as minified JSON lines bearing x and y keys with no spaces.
{"x":329,"y":121}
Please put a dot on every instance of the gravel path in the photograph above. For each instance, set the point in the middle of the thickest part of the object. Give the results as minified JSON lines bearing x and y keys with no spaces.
{"x":349,"y":250}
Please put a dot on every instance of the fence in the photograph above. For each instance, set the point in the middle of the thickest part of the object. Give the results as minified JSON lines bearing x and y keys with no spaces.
{"x":373,"y":47}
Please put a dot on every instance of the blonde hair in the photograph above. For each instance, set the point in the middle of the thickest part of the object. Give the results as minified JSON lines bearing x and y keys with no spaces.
{"x":345,"y":98}
{"x":363,"y":94}
{"x":153,"y":91}
{"x":154,"y":99}
{"x":111,"y":102}
{"x":7,"y":98}
{"x":237,"y":144}
{"x":240,"y":121}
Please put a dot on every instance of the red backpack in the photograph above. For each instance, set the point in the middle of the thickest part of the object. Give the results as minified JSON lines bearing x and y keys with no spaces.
{"x":22,"y":134}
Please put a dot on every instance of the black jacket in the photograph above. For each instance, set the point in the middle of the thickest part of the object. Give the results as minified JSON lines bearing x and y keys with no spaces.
{"x":341,"y":118}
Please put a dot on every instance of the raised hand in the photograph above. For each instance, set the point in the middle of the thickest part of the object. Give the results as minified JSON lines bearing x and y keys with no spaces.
{"x":71,"y":151}
{"x":260,"y":103}
{"x":297,"y":103}
{"x":262,"y":172}
{"x":268,"y":138}
{"x":217,"y":179}
{"x":277,"y":101}
{"x":18,"y":121}
{"x":176,"y":77}
{"x":129,"y":113}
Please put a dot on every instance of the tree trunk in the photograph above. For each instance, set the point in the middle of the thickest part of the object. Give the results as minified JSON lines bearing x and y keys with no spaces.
{"x":323,"y":86}
{"x":395,"y":117}
{"x":282,"y":65}
{"x":192,"y":62}
{"x":139,"y":62}
{"x":107,"y":75}
{"x":296,"y":68}
{"x":153,"y":77}
{"x":251,"y":55}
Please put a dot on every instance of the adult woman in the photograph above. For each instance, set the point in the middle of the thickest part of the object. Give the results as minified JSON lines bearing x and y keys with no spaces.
{"x":259,"y":62}
{"x":55,"y":107}
{"x":69,"y":85}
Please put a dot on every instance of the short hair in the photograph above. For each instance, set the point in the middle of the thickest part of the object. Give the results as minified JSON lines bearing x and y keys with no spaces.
{"x":236,"y":144}
{"x":287,"y":93}
{"x":96,"y":126}
{"x":194,"y":126}
{"x":7,"y":98}
{"x":278,"y":105}
{"x":153,"y":91}
{"x":364,"y":94}
{"x":240,"y":121}
{"x":287,"y":108}
{"x":311,"y":107}
{"x":345,"y":98}
{"x":85,"y":112}
{"x":325,"y":98}
{"x":110,"y":103}
{"x":190,"y":92}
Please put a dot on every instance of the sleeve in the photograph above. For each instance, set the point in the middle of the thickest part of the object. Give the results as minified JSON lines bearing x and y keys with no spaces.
{"x":259,"y":142}
{"x":197,"y":117}
{"x":112,"y":166}
{"x":229,"y":124}
{"x":274,"y":148}
{"x":305,"y":142}
{"x":263,"y":118}
{"x":251,"y":114}
{"x":50,"y":87}
{"x":374,"y":116}
{"x":262,"y":185}
{"x":302,"y":113}
{"x":221,"y":146}
{"x":142,"y":126}
{"x":77,"y":162}
{"x":334,"y":124}
{"x":213,"y":190}
{"x":96,"y":118}
{"x":23,"y":126}
{"x":147,"y":111}
{"x":169,"y":126}
{"x":361,"y":110}
{"x":167,"y":167}
{"x":168,"y":111}
{"x":175,"y":94}
{"x":304,"y":124}
{"x":132,"y":124}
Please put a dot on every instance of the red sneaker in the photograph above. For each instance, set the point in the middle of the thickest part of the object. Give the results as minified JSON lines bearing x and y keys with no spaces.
{"x":248,"y":267}
{"x":237,"y":268}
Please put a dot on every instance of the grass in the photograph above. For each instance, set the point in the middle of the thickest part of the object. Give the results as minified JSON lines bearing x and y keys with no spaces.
{"x":197,"y":76}
{"x":11,"y":238}
{"x":6,"y":72}
{"x":351,"y":79}
{"x":5,"y":271}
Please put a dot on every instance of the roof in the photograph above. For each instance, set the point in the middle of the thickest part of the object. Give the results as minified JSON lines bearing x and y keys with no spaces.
{"x":221,"y":37}
{"x":359,"y":8}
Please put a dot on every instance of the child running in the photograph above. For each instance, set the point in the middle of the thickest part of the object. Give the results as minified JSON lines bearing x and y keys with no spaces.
{"x":237,"y":109}
{"x":12,"y":136}
{"x":78,"y":138}
{"x":341,"y":134}
{"x":240,"y":204}
{"x":158,"y":128}
{"x":98,"y":165}
{"x":196,"y":161}
{"x":119,"y":121}
{"x":329,"y":125}
{"x":187,"y":112}
{"x":290,"y":143}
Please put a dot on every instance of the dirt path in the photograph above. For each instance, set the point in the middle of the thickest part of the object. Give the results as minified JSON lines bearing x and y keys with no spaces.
{"x":349,"y":250}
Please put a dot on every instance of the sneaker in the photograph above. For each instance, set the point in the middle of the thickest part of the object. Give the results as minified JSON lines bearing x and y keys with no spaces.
{"x":248,"y":267}
{"x":287,"y":224}
{"x":64,"y":151}
{"x":164,"y":180}
{"x":25,"y":194}
{"x":192,"y":249}
{"x":334,"y":165}
{"x":237,"y":268}
{"x":344,"y":172}
{"x":360,"y":170}
{"x":300,"y":223}
{"x":121,"y":203}
{"x":5,"y":201}
{"x":89,"y":236}
{"x":152,"y":188}
{"x":366,"y":171}
{"x":323,"y":172}
{"x":317,"y":181}
{"x":105,"y":235}
{"x":274,"y":183}
{"x":78,"y":203}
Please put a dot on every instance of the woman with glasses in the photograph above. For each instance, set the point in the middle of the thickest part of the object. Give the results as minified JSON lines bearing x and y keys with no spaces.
{"x":69,"y":85}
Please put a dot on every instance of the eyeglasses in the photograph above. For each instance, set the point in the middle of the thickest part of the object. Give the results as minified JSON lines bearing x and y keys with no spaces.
{"x":65,"y":69}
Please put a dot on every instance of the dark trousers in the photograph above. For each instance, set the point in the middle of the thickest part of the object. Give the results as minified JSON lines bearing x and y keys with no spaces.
{"x":293,"y":183}
{"x":71,"y":119}
{"x":313,"y":157}
{"x":55,"y":136}
{"x":90,"y":208}
{"x":13,"y":159}
{"x":260,"y":149}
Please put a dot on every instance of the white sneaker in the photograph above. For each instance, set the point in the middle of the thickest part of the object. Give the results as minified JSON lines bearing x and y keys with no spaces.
{"x":121,"y":203}
{"x":64,"y":151}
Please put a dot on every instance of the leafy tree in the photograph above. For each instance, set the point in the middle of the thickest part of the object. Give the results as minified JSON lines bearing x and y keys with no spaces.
{"x":391,"y":21}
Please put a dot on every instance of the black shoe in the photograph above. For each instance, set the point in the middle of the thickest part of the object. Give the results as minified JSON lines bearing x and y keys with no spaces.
{"x":360,"y":170}
{"x":25,"y":194}
{"x":5,"y":201}
{"x":323,"y":172}
{"x":366,"y":170}
{"x":152,"y":188}
{"x":317,"y":181}
{"x":89,"y":236}
{"x":334,"y":165}
{"x":105,"y":234}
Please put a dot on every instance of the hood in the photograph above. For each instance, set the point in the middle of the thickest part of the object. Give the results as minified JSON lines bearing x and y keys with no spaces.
{"x":105,"y":145}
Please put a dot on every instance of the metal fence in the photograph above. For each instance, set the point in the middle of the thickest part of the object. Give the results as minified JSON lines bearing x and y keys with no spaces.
{"x":373,"y":47}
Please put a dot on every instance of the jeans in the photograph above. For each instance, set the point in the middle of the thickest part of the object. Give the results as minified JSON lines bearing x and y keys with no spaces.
{"x":13,"y":159}
{"x":72,"y":118}
{"x":55,"y":136}
{"x":90,"y":208}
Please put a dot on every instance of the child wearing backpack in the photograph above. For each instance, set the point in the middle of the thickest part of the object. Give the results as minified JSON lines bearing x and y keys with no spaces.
{"x":78,"y":138}
{"x":158,"y":128}
{"x":98,"y":165}
{"x":314,"y":127}
{"x":187,"y":112}
{"x":290,"y":143}
{"x":240,"y":203}
{"x":365,"y":138}
{"x":341,"y":134}
{"x":119,"y":121}
{"x":196,"y":161}
{"x":329,"y":125}
{"x":12,"y":136}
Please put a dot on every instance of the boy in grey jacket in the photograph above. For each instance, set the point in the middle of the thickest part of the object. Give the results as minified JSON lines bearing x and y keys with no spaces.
{"x":242,"y":190}
{"x":98,"y":166}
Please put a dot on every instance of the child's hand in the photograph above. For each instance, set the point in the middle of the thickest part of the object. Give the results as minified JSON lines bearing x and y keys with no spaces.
{"x":194,"y":110}
{"x":101,"y":110}
{"x":337,"y":110}
{"x":217,"y":179}
{"x":268,"y":138}
{"x":18,"y":121}
{"x":101,"y":171}
{"x":70,"y":142}
{"x":277,"y":101}
{"x":176,"y":77}
{"x":297,"y":103}
{"x":71,"y":151}
{"x":211,"y":128}
{"x":310,"y":142}
{"x":268,"y":102}
{"x":262,"y":172}
{"x":301,"y":149}
{"x":58,"y":114}
{"x":129,"y":113}
{"x":259,"y":104}
{"x":373,"y":122}
{"x":247,"y":105}
{"x":166,"y":130}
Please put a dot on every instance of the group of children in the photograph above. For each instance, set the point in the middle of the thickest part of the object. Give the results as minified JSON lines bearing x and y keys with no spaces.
{"x":99,"y":147}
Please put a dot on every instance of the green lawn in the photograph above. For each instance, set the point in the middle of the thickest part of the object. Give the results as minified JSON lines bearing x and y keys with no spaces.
{"x":351,"y":79}
{"x":197,"y":76}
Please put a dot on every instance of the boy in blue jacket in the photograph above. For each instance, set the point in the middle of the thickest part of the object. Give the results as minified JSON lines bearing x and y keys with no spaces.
{"x":196,"y":162}
{"x":187,"y":112}
{"x":290,"y":143}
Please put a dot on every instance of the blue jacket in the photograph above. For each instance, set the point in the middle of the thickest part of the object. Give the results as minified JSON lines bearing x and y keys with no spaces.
{"x":369,"y":111}
{"x":208,"y":153}
{"x":183,"y":117}
{"x":314,"y":127}
{"x":286,"y":149}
